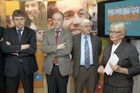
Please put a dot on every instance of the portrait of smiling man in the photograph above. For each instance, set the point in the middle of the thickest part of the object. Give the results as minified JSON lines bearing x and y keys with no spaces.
{"x":73,"y":11}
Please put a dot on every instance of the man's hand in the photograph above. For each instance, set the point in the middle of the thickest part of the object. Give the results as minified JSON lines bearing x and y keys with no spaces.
{"x":61,"y":46}
{"x":8,"y":43}
{"x":25,"y":46}
{"x":16,"y":54}
{"x":1,"y":39}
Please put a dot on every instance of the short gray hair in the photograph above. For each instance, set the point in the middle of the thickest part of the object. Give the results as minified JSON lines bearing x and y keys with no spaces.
{"x":119,"y":26}
{"x":85,"y":21}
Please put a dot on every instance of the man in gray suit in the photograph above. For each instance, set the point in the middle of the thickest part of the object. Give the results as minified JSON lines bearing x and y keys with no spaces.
{"x":86,"y":51}
{"x":57,"y":45}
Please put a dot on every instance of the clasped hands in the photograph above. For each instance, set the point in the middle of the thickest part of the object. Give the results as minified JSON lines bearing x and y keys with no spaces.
{"x":115,"y":68}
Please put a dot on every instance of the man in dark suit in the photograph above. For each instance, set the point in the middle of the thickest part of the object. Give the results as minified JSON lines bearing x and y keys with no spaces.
{"x":19,"y":44}
{"x":57,"y":45}
{"x":2,"y":79}
{"x":85,"y":52}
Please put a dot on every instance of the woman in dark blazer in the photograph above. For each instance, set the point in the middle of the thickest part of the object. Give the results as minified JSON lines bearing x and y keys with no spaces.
{"x":121,"y":80}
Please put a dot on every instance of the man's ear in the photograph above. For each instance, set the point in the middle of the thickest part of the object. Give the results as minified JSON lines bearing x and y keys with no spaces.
{"x":50,"y":22}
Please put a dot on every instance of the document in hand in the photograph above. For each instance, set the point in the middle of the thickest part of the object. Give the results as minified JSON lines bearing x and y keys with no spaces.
{"x":113,"y":60}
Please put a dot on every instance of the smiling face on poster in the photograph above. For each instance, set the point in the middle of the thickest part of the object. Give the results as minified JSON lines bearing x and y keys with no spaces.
{"x":36,"y":14}
{"x":32,"y":9}
{"x":73,"y":11}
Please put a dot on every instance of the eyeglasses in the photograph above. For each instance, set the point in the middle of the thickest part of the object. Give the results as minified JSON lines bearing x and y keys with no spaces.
{"x":114,"y":32}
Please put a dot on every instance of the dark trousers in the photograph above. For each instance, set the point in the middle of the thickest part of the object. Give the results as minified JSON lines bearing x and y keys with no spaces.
{"x":2,"y":84}
{"x":56,"y":82}
{"x":85,"y":77}
{"x":13,"y":82}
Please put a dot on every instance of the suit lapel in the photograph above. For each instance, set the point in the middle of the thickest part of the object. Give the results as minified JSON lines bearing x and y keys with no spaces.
{"x":53,"y":36}
{"x":117,"y":51}
{"x":61,"y":35}
{"x":15,"y":35}
{"x":93,"y":42}
{"x":78,"y":43}
{"x":107,"y":52}
{"x":120,"y":47}
{"x":109,"y":49}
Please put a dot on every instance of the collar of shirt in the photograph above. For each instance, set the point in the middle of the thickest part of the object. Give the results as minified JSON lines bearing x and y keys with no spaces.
{"x":82,"y":59}
{"x":22,"y":29}
{"x":60,"y":29}
{"x":114,"y":47}
{"x":83,"y":36}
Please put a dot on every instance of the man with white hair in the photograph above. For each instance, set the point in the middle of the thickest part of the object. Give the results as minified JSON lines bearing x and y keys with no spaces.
{"x":86,"y":52}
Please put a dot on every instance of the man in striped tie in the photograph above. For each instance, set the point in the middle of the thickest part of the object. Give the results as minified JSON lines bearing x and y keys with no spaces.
{"x":86,"y":51}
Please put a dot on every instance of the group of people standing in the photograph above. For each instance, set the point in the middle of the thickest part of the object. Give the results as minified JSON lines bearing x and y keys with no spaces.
{"x":61,"y":48}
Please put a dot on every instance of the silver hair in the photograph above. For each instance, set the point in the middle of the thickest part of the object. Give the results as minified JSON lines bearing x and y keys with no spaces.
{"x":119,"y":26}
{"x":85,"y":21}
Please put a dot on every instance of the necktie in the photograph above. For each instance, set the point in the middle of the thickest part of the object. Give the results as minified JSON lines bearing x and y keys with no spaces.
{"x":57,"y":37}
{"x":19,"y":38}
{"x":87,"y":55}
{"x":19,"y":34}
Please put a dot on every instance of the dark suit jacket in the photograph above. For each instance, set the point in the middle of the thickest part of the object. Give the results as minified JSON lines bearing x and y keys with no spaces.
{"x":49,"y":47}
{"x":1,"y":54}
{"x":128,"y":58}
{"x":27,"y":55}
{"x":76,"y":53}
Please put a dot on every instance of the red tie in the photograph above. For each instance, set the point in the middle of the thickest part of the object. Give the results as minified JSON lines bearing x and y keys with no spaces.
{"x":57,"y":37}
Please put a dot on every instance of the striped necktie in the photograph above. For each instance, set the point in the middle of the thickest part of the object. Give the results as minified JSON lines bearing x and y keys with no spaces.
{"x":87,"y":55}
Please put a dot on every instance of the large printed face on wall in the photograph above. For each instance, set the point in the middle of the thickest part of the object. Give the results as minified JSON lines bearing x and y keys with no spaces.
{"x":32,"y":9}
{"x":73,"y":11}
{"x":35,"y":14}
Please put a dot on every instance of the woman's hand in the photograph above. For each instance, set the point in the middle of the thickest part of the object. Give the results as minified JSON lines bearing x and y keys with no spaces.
{"x":119,"y":69}
{"x":101,"y":69}
{"x":115,"y":68}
